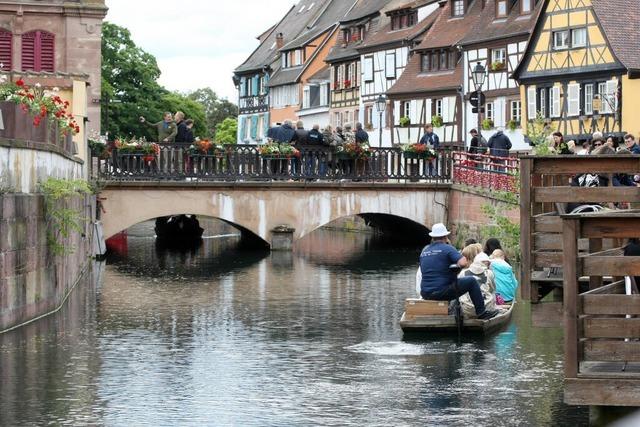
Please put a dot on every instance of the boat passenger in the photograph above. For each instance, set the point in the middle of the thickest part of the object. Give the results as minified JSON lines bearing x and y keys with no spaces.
{"x":439,"y":282}
{"x":506,"y":282}
{"x":481,"y":272}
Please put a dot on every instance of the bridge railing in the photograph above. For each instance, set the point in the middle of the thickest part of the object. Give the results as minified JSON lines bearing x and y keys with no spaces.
{"x":486,"y":171}
{"x":245,"y":163}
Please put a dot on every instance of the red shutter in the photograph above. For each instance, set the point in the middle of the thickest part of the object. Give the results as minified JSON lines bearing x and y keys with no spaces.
{"x":38,"y":51}
{"x":29,"y":51}
{"x":6,"y":49}
{"x":47,"y":52}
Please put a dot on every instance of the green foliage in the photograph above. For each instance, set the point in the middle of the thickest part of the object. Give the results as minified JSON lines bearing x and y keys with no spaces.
{"x":502,"y":228}
{"x":512,"y":125}
{"x":436,"y":121}
{"x":538,"y":132}
{"x":227,"y":132}
{"x":215,"y":108}
{"x":405,"y":121}
{"x":487,"y":124}
{"x":62,"y":220}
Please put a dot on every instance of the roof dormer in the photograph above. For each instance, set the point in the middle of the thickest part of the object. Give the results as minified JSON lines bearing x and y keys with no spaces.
{"x":459,"y":8}
{"x":403,"y":18}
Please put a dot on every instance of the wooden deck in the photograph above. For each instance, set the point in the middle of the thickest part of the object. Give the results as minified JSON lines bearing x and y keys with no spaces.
{"x":602,"y":327}
{"x":545,"y":192}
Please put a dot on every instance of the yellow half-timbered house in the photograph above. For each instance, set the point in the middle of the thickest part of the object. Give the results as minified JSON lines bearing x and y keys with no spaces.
{"x":581,"y":69}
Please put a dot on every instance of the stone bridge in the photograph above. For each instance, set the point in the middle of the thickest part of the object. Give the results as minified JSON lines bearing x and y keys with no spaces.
{"x":257,"y":208}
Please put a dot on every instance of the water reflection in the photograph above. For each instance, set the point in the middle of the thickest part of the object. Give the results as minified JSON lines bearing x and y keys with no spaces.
{"x":311,"y":338}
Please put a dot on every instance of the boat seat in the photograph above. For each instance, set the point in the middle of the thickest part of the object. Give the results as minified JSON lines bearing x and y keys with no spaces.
{"x":421,"y":307}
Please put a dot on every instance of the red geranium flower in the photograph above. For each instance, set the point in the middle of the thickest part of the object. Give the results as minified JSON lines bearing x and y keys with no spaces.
{"x":20,"y":82}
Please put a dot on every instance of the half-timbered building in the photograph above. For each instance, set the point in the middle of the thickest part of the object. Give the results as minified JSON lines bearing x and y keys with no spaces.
{"x":384,"y":56}
{"x":581,"y":68}
{"x":344,"y":60}
{"x":252,"y":77}
{"x":300,"y":87}
{"x":497,"y":42}
{"x":431,"y":88}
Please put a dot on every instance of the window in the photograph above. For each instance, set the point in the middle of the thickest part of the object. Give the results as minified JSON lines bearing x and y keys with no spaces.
{"x":426,"y":63}
{"x":297,"y":57}
{"x":554,"y":101}
{"x":324,"y":94}
{"x":452,"y":60}
{"x":488,"y":108}
{"x":443,"y":60}
{"x":439,"y":107}
{"x":543,"y":102}
{"x":525,"y":6}
{"x":390,"y":69}
{"x":38,"y":51}
{"x":561,"y":39}
{"x":337,"y":119}
{"x":412,"y":19}
{"x":588,"y":99}
{"x":306,"y":97}
{"x":498,"y":59}
{"x":346,"y":36}
{"x":573,"y":99}
{"x":368,"y":69}
{"x":608,"y":98}
{"x":368,"y":115}
{"x":579,"y":37}
{"x":262,"y":85}
{"x":434,"y":61}
{"x":458,"y":8}
{"x":516,"y":111}
{"x":6,"y":50}
{"x":501,"y":8}
{"x":532,"y":110}
{"x":405,"y":109}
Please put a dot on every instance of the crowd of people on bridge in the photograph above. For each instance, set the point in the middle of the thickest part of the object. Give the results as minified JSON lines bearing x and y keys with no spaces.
{"x":485,"y":282}
{"x":172,"y":128}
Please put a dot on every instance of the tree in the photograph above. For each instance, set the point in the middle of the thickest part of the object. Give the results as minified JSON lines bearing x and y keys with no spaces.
{"x":129,"y":84}
{"x":227,"y":131}
{"x":216,"y":109}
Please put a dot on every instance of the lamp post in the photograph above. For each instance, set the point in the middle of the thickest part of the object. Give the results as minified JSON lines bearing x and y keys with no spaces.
{"x":478,"y":75}
{"x":381,"y":106}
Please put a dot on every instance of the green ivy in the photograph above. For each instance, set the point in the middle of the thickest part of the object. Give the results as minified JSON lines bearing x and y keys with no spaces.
{"x":61,"y":220}
{"x":502,"y":228}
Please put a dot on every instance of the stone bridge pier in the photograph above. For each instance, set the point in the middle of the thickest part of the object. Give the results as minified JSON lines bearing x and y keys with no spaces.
{"x":260,"y":210}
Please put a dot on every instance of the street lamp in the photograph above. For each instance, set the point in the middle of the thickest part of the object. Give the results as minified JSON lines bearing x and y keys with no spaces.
{"x":381,"y":106}
{"x":479,"y":75}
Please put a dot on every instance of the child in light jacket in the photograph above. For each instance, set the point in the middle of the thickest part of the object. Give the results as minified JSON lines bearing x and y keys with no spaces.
{"x":506,"y":282}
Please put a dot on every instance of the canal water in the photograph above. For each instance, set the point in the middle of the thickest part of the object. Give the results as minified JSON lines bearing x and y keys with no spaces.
{"x":218,"y":336}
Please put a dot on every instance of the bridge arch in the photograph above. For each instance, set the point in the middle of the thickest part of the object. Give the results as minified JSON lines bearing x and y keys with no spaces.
{"x":258,"y":208}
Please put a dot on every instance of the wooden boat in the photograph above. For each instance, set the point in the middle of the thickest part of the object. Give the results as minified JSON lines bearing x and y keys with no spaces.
{"x":430,"y":316}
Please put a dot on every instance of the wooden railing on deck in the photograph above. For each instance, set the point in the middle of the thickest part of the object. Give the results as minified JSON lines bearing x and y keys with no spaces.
{"x":602,"y":351}
{"x":544,"y":195}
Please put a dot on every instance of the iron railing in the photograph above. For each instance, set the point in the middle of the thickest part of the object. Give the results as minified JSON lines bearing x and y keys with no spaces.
{"x":244,"y":162}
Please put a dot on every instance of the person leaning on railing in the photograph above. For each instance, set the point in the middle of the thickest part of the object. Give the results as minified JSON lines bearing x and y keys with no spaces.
{"x":167,"y":129}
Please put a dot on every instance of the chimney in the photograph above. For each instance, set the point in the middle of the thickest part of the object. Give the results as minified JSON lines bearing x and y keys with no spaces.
{"x":279,"y":40}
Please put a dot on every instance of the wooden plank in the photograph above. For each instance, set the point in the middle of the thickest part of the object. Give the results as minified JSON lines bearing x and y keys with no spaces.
{"x":573,"y":165}
{"x":610,"y":265}
{"x":417,"y":307}
{"x":586,"y":194}
{"x":610,"y":304}
{"x":544,"y":259}
{"x":602,"y":392}
{"x":611,"y":350}
{"x":595,"y":245}
{"x":526,"y":229}
{"x":611,"y":227}
{"x":616,"y":287}
{"x":611,"y":328}
{"x":548,"y":224}
{"x":553,"y":241}
{"x":570,"y":285}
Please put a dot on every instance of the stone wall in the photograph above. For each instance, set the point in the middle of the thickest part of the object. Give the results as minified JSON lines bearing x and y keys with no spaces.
{"x":33,"y":282}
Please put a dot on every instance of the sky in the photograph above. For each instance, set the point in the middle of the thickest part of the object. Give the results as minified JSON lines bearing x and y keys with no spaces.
{"x":198,"y":43}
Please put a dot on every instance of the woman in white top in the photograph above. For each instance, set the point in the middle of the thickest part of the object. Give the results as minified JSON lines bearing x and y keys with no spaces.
{"x":480,"y":270}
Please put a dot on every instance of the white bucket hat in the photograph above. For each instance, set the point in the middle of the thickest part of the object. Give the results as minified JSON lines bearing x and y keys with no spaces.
{"x":439,"y":230}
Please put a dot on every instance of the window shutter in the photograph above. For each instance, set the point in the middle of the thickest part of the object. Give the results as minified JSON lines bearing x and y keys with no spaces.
{"x":555,"y":106}
{"x":265,"y":122}
{"x":573,"y":92}
{"x":532,"y":108}
{"x":254,"y":127}
{"x":28,"y":56}
{"x":6,"y":50}
{"x":243,"y":128}
{"x":256,"y":85}
{"x":242,"y":86}
{"x":612,"y":93}
{"x":47,"y":52}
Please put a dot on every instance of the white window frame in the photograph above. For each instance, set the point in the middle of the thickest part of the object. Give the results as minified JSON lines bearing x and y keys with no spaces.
{"x":406,"y":109}
{"x":499,"y":12}
{"x":532,"y":103}
{"x":499,"y":55}
{"x":610,"y":88}
{"x":324,"y":94}
{"x":489,"y":111}
{"x":583,"y":42}
{"x":588,"y":98}
{"x":516,"y":110}
{"x":297,"y":57}
{"x":390,"y":65}
{"x":573,"y":99}
{"x":367,"y":69}
{"x":565,"y":35}
{"x":543,"y":102}
{"x":458,"y":7}
{"x":439,"y":111}
{"x":525,"y":6}
{"x":306,"y":97}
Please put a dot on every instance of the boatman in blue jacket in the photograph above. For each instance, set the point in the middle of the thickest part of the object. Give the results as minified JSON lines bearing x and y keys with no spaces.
{"x":439,"y":281}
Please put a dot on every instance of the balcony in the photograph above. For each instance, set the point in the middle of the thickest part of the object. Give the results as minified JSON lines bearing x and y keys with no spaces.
{"x":254,"y":104}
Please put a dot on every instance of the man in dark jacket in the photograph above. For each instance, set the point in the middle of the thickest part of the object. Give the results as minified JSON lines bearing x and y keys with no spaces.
{"x":362,"y":137}
{"x":282,"y":134}
{"x":319,"y":155}
{"x":433,"y":141}
{"x":630,"y":143}
{"x":499,"y":146}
